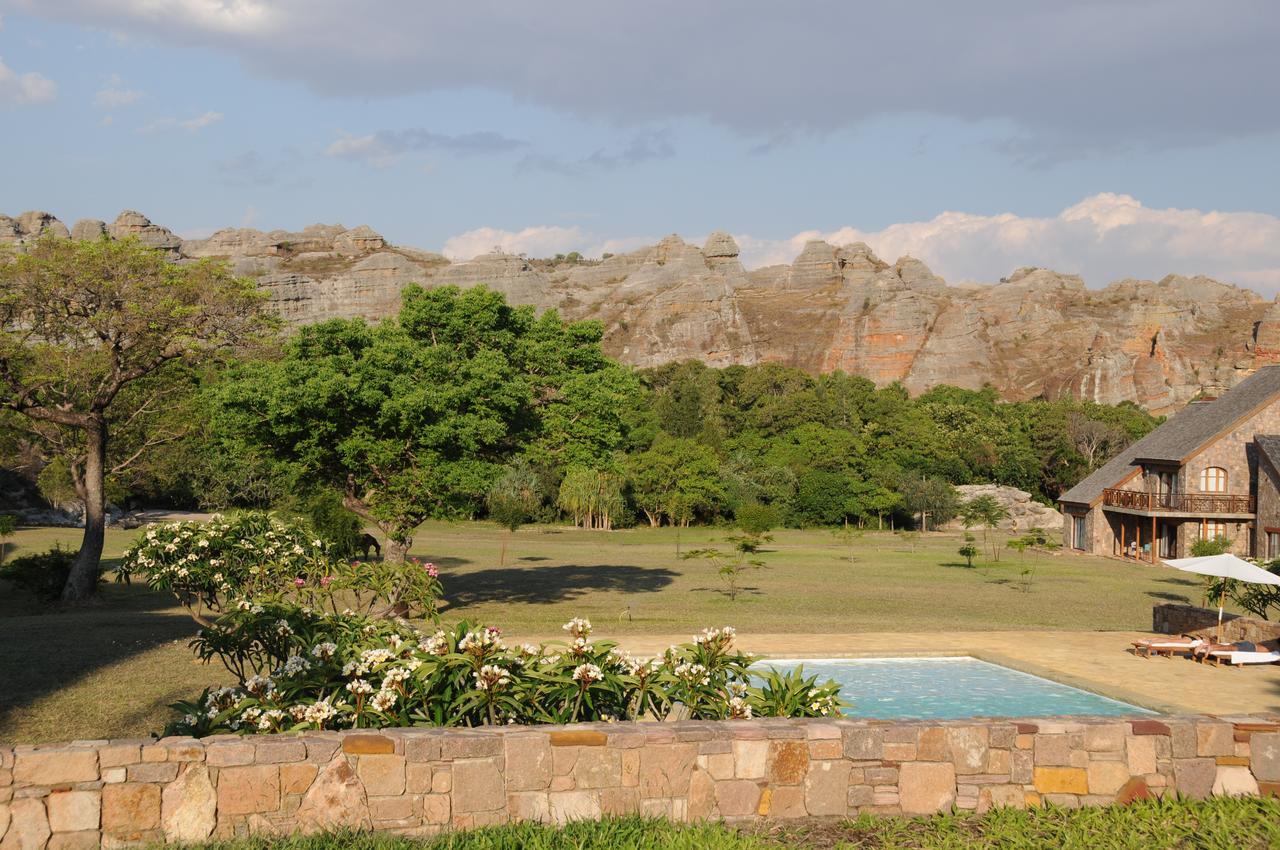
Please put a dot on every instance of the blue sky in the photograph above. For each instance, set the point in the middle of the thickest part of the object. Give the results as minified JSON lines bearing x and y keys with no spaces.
{"x":1128,"y":137}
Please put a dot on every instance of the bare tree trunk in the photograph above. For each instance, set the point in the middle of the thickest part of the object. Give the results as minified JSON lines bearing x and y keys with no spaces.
{"x":82,"y":582}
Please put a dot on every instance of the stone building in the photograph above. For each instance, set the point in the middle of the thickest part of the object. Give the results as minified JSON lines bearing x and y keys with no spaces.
{"x":1212,"y":470}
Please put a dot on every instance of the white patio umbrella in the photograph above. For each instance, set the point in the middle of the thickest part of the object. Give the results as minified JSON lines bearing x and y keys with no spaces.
{"x":1224,"y":566}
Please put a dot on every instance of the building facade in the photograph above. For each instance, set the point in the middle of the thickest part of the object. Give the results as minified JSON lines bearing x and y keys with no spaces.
{"x":1212,"y":470}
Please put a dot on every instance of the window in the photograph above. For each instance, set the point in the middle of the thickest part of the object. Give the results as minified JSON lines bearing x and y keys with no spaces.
{"x":1212,"y":529}
{"x":1213,"y":479}
{"x":1078,"y":534}
{"x":1273,"y":544}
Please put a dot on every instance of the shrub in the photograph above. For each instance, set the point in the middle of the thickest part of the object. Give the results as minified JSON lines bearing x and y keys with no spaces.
{"x":301,"y":669}
{"x":216,"y":566}
{"x":43,"y":575}
{"x":334,"y":523}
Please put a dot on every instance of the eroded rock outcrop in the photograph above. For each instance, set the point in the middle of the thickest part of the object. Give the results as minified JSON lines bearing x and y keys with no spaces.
{"x":1035,"y":333}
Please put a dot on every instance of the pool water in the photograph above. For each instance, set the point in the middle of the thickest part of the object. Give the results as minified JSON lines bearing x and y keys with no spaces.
{"x":947,"y":688}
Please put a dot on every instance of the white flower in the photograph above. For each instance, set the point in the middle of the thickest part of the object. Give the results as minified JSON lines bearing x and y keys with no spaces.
{"x":478,"y":642}
{"x":693,"y":674}
{"x":395,"y":676}
{"x":491,"y":677}
{"x":587,"y":673}
{"x":319,"y":711}
{"x":739,"y":709}
{"x":296,"y":664}
{"x":259,"y":685}
{"x":324,"y":651}
{"x":434,"y":645}
{"x":359,"y":686}
{"x":283,"y":628}
{"x":383,"y":700}
{"x":373,"y":657}
{"x":579,"y":627}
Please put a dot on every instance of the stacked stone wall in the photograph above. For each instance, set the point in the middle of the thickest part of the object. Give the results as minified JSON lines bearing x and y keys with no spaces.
{"x":1170,"y":619}
{"x":90,"y":794}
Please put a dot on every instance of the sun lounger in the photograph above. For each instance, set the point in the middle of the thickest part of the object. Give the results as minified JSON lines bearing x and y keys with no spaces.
{"x":1166,"y":645}
{"x":1240,"y":654}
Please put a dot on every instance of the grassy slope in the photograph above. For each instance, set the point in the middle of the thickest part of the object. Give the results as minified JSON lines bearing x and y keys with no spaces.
{"x":109,"y":670}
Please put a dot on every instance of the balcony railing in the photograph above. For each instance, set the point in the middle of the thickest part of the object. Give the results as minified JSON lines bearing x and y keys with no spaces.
{"x":1183,"y":503}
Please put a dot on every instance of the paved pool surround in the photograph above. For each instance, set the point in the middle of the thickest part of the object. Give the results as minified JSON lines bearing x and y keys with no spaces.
{"x":89,"y":794}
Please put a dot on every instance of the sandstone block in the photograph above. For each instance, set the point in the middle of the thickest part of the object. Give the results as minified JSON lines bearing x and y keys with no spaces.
{"x":622,"y":801}
{"x":129,"y":809}
{"x":750,"y":759}
{"x":1053,"y":750}
{"x":88,"y":840}
{"x":435,"y":808}
{"x":598,"y":767}
{"x":297,"y":778}
{"x":382,"y":775}
{"x":400,"y":808}
{"x":1107,"y":777}
{"x":368,"y":745}
{"x":720,"y":765}
{"x":1061,"y":780}
{"x":478,"y":786}
{"x":788,"y":762}
{"x":932,"y":745}
{"x":28,"y":825}
{"x":158,"y":772}
{"x":926,"y":787}
{"x":569,"y":806}
{"x":1104,"y":737}
{"x":1141,"y":755}
{"x":826,"y":788}
{"x":188,"y":806}
{"x":786,"y":802}
{"x":245,"y":790}
{"x":1195,"y":777}
{"x":119,"y":755}
{"x":1214,"y":739}
{"x":1264,"y":756}
{"x":863,"y":744}
{"x":55,"y":767}
{"x":417,"y":778}
{"x":229,"y":754}
{"x":1135,"y":789}
{"x":336,"y":800}
{"x":528,"y":763}
{"x":1234,"y":781}
{"x":461,"y":745}
{"x":529,"y":806}
{"x":737,"y":797}
{"x":665,"y":769}
{"x":702,"y":795}
{"x":1008,"y":797}
{"x":967,"y":746}
{"x":73,"y":811}
{"x":280,"y":752}
{"x":578,"y":738}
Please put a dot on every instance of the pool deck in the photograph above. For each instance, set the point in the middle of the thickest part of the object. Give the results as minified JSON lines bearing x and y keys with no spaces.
{"x":1096,"y":661}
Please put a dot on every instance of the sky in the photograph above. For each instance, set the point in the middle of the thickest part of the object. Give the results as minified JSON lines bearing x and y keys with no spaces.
{"x":1107,"y":138}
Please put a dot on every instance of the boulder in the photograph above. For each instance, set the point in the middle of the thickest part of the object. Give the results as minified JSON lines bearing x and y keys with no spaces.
{"x":89,"y":229}
{"x":1024,"y":513}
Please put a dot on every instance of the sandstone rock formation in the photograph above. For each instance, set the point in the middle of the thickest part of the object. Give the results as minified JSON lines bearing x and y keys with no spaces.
{"x":1035,"y":333}
{"x":1024,"y":513}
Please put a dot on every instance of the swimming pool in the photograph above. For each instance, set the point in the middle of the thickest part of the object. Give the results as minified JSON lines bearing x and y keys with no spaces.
{"x":948,"y":688}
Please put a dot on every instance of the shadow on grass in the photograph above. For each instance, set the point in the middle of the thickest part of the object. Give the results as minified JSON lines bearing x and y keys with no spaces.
{"x":47,"y":652}
{"x":544,"y":585}
{"x":1169,"y":597}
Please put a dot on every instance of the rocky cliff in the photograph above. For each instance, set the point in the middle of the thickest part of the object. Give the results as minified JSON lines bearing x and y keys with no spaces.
{"x":1034,"y":333}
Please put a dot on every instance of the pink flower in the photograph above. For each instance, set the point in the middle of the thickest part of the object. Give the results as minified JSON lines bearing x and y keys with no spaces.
{"x":299,"y":582}
{"x":431,"y":569}
{"x":324,"y":582}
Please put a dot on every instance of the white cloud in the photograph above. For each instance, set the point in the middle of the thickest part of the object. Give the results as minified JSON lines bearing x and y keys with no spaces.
{"x":191,"y":125}
{"x":24,"y":89}
{"x":115,"y":95}
{"x":1103,"y":238}
{"x":1069,"y":78}
{"x":385,"y":147}
{"x":541,"y":241}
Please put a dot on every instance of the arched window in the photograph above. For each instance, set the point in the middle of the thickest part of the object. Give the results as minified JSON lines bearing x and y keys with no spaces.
{"x":1213,"y":479}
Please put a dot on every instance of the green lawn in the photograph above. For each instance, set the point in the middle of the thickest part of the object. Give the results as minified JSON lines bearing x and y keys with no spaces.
{"x":109,"y":669}
{"x":1219,"y":824}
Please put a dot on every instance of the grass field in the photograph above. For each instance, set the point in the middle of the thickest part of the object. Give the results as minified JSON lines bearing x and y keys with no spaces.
{"x":1219,"y":824}
{"x":109,"y":669}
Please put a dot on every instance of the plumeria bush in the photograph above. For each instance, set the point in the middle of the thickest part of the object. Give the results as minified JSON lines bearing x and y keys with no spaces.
{"x":312,"y":670}
{"x":317,"y":642}
{"x":217,"y":566}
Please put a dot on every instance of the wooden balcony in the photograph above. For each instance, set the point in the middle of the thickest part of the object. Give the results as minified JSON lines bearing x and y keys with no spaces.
{"x":1196,"y":504}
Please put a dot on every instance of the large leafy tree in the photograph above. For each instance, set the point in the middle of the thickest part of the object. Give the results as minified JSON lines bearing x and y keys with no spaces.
{"x":677,"y":479}
{"x":415,"y":417}
{"x":96,"y":338}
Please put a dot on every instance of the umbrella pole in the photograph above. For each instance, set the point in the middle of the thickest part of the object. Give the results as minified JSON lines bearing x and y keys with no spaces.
{"x":1221,"y":593}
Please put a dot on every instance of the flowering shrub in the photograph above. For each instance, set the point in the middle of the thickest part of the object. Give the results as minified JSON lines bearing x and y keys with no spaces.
{"x":303,"y":669}
{"x":215,"y":567}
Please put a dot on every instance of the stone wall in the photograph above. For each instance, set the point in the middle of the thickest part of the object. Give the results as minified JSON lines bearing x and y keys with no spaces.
{"x":88,"y":794}
{"x":1170,"y":619}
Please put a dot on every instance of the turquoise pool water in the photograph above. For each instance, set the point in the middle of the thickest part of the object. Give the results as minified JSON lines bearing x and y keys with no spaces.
{"x":947,"y":688}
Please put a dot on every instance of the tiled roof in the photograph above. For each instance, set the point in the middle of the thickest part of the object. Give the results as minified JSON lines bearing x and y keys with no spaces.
{"x":1269,"y":445}
{"x":1190,"y":429}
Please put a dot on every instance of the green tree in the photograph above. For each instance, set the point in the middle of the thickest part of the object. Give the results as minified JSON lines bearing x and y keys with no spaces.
{"x":985,"y":511}
{"x":512,"y":500}
{"x":413,"y":418}
{"x":92,"y":336}
{"x":731,"y":566}
{"x":591,"y":497}
{"x":932,"y":498}
{"x":676,"y":479}
{"x":968,"y":551}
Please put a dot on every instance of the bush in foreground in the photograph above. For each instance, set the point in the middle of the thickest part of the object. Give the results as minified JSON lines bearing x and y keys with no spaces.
{"x":1218,"y":824}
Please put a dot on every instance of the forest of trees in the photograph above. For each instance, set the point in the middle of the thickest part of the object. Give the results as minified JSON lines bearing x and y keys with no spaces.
{"x":464,"y":406}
